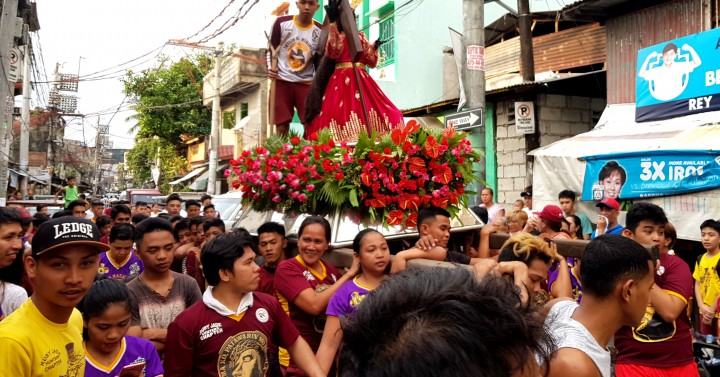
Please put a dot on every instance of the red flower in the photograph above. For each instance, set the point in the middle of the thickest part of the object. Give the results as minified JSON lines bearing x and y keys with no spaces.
{"x":387,"y":151}
{"x":395,"y":217}
{"x":443,"y":174}
{"x":295,"y":140}
{"x":339,"y":176}
{"x":449,"y":132}
{"x":313,"y":136}
{"x":398,"y":136}
{"x":365,"y":178}
{"x":411,"y":221}
{"x":432,"y":149}
{"x":412,"y":127}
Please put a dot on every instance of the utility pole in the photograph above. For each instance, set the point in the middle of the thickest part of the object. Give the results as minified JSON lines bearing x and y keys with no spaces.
{"x":25,"y":119}
{"x":473,"y":77}
{"x":527,"y":62}
{"x":8,"y":22}
{"x":96,"y":163}
{"x":215,"y":123}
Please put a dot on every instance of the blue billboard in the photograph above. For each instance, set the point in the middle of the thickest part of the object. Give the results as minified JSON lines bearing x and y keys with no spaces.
{"x":650,"y":173}
{"x":678,"y":77}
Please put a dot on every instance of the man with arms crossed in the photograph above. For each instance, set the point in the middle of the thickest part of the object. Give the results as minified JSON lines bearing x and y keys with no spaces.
{"x":158,"y":295}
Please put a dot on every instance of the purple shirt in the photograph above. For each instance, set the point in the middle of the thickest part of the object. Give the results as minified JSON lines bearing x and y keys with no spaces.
{"x":131,"y":265}
{"x":133,"y":351}
{"x":574,"y":282}
{"x":346,"y":300}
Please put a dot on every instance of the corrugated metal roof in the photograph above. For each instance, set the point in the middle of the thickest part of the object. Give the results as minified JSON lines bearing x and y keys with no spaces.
{"x":629,"y":33}
{"x":589,"y":8}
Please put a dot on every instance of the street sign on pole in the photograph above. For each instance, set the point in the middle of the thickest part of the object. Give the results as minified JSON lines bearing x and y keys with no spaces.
{"x":466,"y":119}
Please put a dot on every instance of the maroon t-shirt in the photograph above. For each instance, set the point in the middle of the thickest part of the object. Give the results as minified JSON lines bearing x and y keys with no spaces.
{"x":656,"y":343}
{"x":293,"y":277}
{"x":267,"y":281}
{"x":201,"y":342}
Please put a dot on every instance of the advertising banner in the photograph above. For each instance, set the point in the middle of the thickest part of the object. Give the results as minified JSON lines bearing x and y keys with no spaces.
{"x":679,"y":77}
{"x":649,"y":174}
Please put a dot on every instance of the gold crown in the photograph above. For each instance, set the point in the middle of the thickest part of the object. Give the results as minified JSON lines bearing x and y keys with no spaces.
{"x":354,"y":3}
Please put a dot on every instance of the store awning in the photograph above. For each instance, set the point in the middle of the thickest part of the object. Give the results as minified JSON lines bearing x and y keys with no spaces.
{"x":190,"y":175}
{"x":200,"y":183}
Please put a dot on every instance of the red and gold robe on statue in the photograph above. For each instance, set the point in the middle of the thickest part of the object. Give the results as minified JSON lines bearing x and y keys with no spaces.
{"x":342,"y":110}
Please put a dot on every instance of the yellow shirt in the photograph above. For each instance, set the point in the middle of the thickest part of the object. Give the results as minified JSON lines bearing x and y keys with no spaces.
{"x":34,"y":346}
{"x":707,"y":276}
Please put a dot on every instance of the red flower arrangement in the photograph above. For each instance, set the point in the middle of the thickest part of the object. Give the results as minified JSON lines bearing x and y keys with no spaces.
{"x":386,"y":182}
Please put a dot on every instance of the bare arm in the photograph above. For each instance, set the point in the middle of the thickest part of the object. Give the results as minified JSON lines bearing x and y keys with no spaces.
{"x":572,"y":362}
{"x":156,"y":336}
{"x":668,"y":306}
{"x":332,"y":337}
{"x":705,"y":310}
{"x":562,"y":286}
{"x":302,"y":355}
{"x":315,"y":303}
{"x":57,"y":194}
{"x":484,"y":246}
{"x":401,"y":258}
{"x":135,"y":331}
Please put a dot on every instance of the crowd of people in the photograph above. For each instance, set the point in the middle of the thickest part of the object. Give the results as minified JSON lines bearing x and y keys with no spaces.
{"x":174,"y":293}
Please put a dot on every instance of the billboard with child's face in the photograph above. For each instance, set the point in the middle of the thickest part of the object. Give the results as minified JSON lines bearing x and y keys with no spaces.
{"x":649,"y":174}
{"x":679,"y":77}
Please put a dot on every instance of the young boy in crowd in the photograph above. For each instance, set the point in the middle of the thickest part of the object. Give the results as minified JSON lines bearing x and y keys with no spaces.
{"x":662,"y":344}
{"x":120,"y":261}
{"x":567,"y":204}
{"x":707,"y":283}
{"x":185,"y":259}
{"x":212,"y":227}
{"x":209,"y":211}
{"x":617,"y":276}
{"x":77,"y":207}
{"x":158,"y":295}
{"x":229,"y":331}
{"x":192,"y":208}
{"x":173,"y":205}
{"x":70,"y":191}
{"x":44,"y":336}
{"x":272,"y":242}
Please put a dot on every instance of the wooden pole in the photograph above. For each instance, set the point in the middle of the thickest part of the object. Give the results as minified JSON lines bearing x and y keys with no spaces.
{"x":347,"y":20}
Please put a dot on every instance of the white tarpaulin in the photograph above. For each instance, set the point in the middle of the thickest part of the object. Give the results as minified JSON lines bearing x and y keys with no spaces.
{"x":558,"y":165}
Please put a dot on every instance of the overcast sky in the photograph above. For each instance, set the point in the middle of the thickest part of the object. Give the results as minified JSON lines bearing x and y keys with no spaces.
{"x":107,"y":33}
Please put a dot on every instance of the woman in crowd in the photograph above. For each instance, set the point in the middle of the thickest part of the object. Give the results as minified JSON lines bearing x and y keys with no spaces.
{"x":12,"y":293}
{"x":574,"y":225}
{"x":108,"y":351}
{"x":305,"y":285}
{"x":516,"y":221}
{"x":372,"y":251}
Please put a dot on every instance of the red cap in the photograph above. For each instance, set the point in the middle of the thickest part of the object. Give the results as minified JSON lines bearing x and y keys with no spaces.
{"x":610,"y":203}
{"x":24,"y":215}
{"x":551,"y":213}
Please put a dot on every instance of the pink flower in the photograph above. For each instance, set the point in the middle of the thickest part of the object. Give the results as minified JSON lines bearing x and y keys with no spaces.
{"x":302,"y":198}
{"x":276,"y":199}
{"x":310,"y":187}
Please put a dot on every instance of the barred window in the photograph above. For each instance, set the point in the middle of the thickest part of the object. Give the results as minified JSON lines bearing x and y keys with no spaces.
{"x":386,"y":54}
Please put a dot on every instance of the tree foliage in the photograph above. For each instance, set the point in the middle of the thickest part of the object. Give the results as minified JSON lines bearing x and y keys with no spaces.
{"x":147,"y":153}
{"x":168,"y":104}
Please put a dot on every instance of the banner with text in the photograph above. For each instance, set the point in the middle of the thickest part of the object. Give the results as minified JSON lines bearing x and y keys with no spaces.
{"x":678,"y":77}
{"x":648,"y":174}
